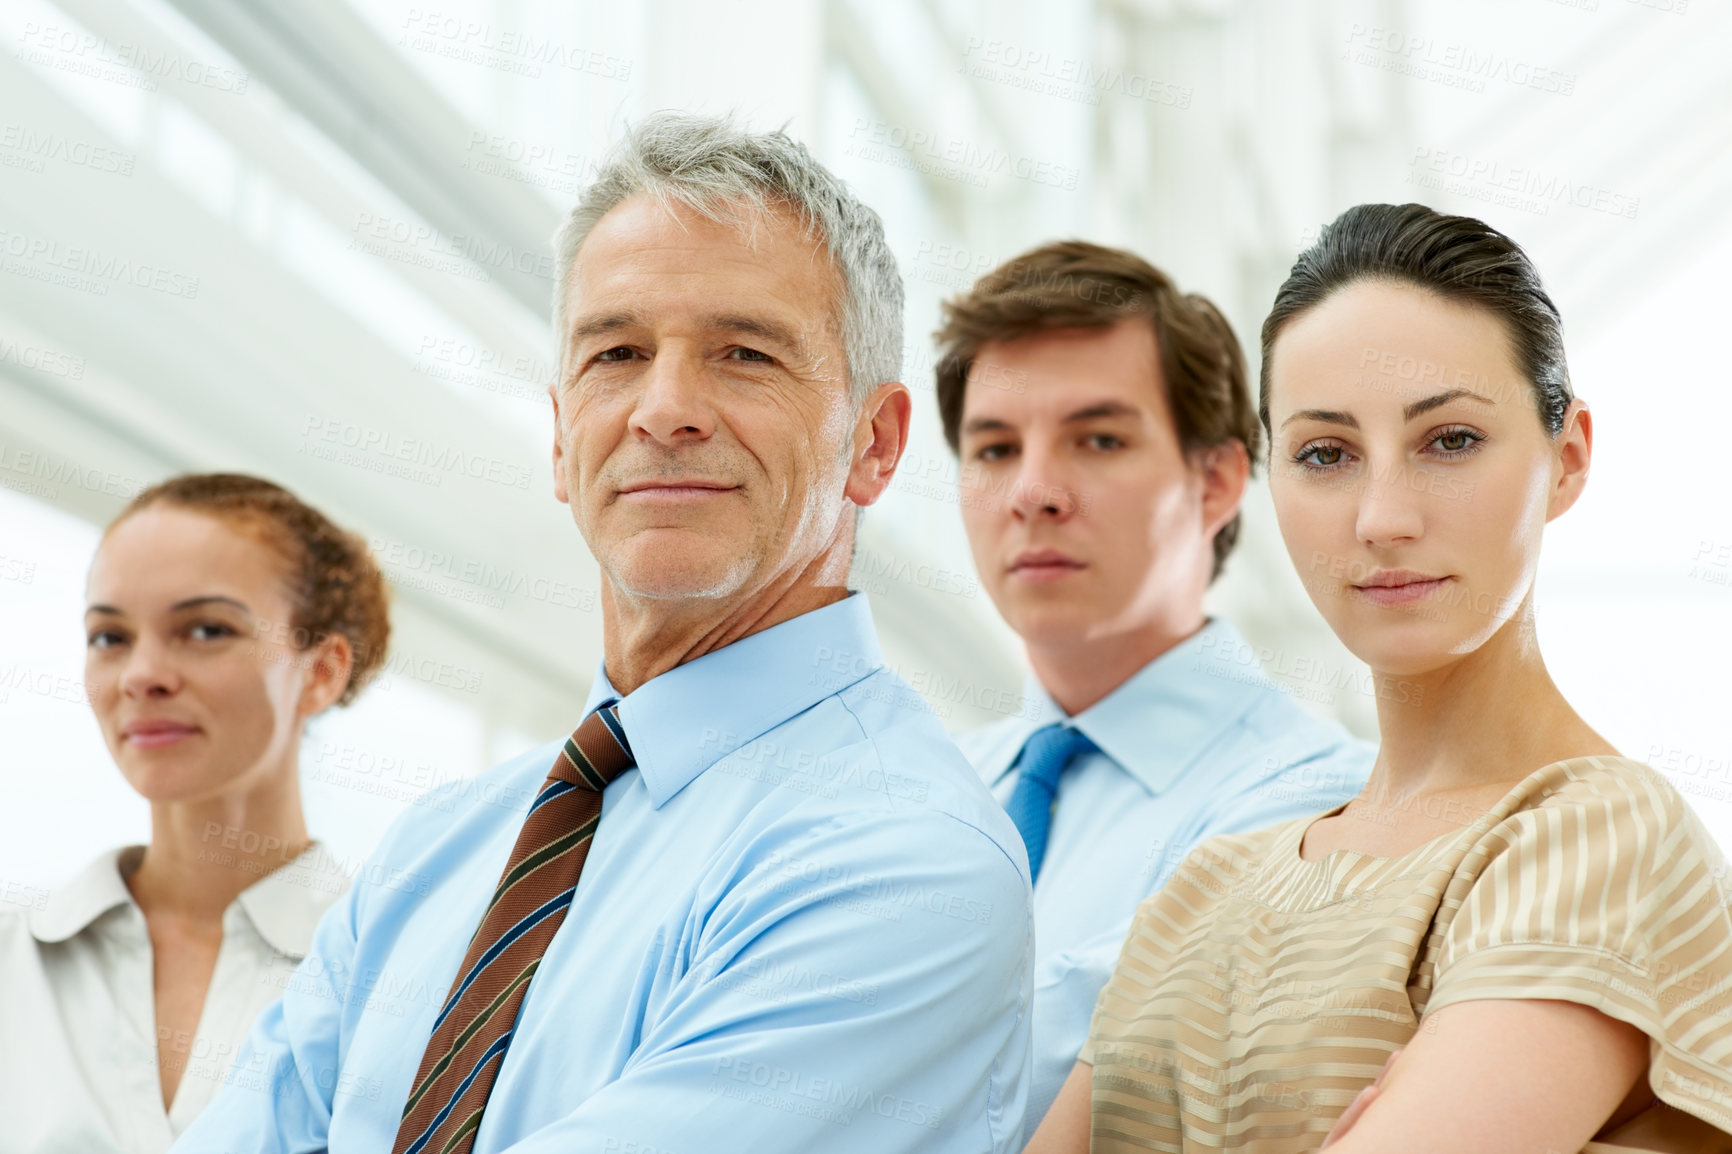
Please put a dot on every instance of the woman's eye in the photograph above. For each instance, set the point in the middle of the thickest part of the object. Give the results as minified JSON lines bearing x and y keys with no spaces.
{"x":210,"y":631}
{"x":1456,"y":440}
{"x":1318,"y":456}
{"x":104,"y":639}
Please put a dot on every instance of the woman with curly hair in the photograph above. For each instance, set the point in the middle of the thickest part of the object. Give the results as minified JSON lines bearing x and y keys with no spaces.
{"x":223,"y":614}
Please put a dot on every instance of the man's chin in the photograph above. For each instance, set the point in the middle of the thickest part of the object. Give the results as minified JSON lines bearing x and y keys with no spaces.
{"x":670,"y":573}
{"x":1053,"y":620}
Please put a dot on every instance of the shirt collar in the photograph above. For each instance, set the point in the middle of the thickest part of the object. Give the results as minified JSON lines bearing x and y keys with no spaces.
{"x":1157,"y":723}
{"x":284,"y":906}
{"x":687,"y":719}
{"x":95,"y":890}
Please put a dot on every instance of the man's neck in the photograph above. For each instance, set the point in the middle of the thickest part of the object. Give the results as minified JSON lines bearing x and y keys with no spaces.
{"x":644,"y":638}
{"x":1078,"y":674}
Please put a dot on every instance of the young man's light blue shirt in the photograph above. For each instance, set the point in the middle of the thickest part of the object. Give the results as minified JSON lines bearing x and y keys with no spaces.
{"x":1198,"y":742}
{"x":804,"y":925}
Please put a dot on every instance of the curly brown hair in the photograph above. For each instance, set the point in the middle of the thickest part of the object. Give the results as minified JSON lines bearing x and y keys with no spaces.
{"x":333,"y":581}
{"x":1074,"y":284}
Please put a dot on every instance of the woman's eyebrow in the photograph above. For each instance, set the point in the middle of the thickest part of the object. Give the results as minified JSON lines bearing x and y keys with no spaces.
{"x":1327,"y":416}
{"x":189,"y":603}
{"x":1408,"y":412}
{"x":192,"y":601}
{"x":1430,"y":403}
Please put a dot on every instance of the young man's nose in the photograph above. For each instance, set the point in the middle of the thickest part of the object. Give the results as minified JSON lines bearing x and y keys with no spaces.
{"x":1043,"y":486}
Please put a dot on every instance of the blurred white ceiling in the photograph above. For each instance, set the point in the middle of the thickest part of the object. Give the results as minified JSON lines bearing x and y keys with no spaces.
{"x":310,"y":240}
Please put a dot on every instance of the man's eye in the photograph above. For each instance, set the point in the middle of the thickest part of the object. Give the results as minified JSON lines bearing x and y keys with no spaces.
{"x":996,"y":452}
{"x":621,"y":353}
{"x":1103,"y":441}
{"x":746,"y":354}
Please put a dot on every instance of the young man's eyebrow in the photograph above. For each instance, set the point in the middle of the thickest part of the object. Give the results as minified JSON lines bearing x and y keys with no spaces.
{"x":985,"y":425}
{"x":1102,"y":409}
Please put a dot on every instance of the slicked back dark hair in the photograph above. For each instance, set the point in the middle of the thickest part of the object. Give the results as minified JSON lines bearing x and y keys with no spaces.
{"x":1458,"y":258}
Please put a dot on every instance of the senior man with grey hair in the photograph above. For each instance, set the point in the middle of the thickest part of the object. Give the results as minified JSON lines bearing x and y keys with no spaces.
{"x":757,"y":900}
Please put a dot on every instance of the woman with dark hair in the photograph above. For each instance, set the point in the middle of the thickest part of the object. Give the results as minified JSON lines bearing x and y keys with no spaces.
{"x":1538,"y":925}
{"x":223,"y":614}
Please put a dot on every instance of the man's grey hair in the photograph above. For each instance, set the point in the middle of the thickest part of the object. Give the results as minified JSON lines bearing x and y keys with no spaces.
{"x":716,"y":168}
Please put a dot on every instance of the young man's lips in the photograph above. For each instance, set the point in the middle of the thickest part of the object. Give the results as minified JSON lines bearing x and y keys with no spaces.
{"x":1045,"y":566}
{"x":1404,"y":593}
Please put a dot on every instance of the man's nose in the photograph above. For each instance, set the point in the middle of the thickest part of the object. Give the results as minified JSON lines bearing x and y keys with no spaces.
{"x":1043,"y":486}
{"x":674,"y":402}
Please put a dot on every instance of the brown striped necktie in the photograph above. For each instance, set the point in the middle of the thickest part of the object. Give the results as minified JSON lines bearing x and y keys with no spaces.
{"x":475,"y":1024}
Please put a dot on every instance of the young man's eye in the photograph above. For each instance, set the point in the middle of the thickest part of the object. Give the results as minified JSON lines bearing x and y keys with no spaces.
{"x":1104,"y":441}
{"x":997,"y":452}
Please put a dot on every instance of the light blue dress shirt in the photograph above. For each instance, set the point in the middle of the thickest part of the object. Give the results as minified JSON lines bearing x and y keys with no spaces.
{"x":803,"y":925}
{"x":1198,"y":742}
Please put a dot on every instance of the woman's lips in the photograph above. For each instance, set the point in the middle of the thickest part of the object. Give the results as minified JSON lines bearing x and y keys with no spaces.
{"x":158,"y":736}
{"x":1405,"y":593}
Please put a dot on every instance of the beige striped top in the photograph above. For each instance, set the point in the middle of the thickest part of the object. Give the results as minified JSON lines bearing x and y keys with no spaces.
{"x":1258,"y":992}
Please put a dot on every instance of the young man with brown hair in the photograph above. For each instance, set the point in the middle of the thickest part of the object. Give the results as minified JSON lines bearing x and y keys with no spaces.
{"x":1105,"y":418}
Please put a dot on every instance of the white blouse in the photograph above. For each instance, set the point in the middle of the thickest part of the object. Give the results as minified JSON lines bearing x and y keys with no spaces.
{"x":78,"y":1044}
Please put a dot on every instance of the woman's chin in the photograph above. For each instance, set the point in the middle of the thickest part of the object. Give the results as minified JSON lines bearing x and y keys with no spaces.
{"x":162,"y":780}
{"x":1405,"y":648}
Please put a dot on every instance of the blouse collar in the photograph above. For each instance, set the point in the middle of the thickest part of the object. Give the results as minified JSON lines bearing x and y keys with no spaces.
{"x":284,"y":906}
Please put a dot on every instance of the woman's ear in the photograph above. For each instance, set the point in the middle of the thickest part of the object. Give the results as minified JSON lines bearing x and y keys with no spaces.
{"x":328,"y":665}
{"x":1573,"y":450}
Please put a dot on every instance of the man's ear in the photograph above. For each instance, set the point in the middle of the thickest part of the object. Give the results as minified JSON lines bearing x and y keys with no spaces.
{"x":1224,"y":469}
{"x":1574,"y":449}
{"x":880,"y":437}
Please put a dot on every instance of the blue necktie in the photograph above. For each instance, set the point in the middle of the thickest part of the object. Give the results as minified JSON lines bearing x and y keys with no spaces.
{"x":1043,"y":759}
